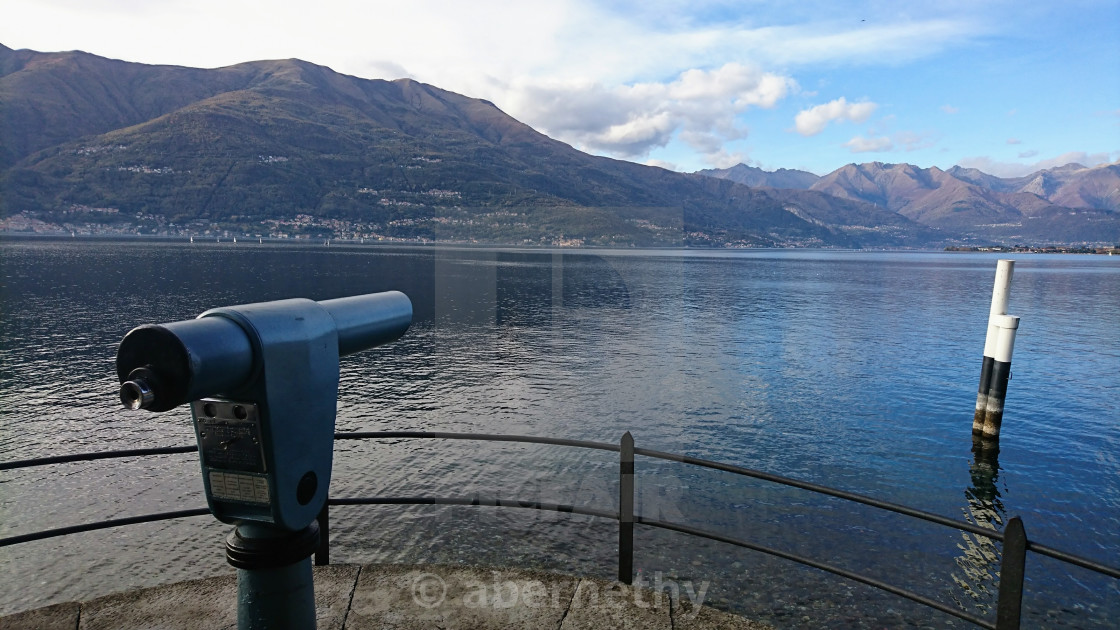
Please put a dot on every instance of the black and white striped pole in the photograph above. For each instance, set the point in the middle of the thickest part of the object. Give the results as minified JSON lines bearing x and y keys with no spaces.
{"x":1000,"y":294}
{"x":993,"y":382}
{"x":1001,"y":373}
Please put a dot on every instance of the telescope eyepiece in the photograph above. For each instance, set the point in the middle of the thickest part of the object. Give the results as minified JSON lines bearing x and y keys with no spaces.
{"x":141,"y":390}
{"x":137,"y":394}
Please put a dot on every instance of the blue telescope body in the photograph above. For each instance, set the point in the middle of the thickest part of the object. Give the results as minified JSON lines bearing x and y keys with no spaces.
{"x":262,"y":381}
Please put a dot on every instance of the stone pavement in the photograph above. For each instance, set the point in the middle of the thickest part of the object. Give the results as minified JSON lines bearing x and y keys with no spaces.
{"x":404,"y":597}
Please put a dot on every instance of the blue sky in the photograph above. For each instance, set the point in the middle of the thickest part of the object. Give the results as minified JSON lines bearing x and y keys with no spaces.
{"x":1007,"y":87}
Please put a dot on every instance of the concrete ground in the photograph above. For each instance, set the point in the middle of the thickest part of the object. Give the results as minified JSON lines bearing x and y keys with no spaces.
{"x":387,"y":597}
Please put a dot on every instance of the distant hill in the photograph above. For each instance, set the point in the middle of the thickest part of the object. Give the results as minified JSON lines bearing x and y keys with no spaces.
{"x":289,"y":148}
{"x":754,"y":176}
{"x":51,"y":99}
{"x":1066,"y":204}
{"x":1071,"y":186}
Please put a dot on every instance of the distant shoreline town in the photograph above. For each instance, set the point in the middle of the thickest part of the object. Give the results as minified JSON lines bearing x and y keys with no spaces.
{"x":49,"y":232}
{"x":1034,"y":249}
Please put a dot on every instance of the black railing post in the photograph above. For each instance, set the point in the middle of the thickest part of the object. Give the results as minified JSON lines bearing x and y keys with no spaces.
{"x":1011,"y":571}
{"x":323,"y":553}
{"x":626,"y":509}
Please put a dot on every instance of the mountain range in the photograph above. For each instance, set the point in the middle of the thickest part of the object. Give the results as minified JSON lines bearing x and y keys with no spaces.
{"x":289,"y":148}
{"x":1057,"y":204}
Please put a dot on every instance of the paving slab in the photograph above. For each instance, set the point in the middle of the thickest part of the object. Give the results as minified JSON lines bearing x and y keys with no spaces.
{"x":56,"y":617}
{"x":334,"y":586}
{"x":688,"y":616}
{"x":603,"y":604}
{"x":396,"y":597}
{"x":208,"y":603}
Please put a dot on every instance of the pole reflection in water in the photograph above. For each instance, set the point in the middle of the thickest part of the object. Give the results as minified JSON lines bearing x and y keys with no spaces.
{"x":977,"y":579}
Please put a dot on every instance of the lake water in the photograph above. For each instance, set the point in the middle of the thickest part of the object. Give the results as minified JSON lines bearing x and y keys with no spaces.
{"x":856,"y":370}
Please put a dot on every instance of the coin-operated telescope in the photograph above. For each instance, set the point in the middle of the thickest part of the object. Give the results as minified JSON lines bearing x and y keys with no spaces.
{"x":262,"y":382}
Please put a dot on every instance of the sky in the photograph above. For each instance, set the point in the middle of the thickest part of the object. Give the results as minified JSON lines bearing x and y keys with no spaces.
{"x":1007,"y":87}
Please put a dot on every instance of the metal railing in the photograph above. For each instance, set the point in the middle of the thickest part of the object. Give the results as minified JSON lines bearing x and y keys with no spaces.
{"x":1014,"y":539}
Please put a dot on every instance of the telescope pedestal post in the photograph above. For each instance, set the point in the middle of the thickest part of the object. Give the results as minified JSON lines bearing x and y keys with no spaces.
{"x":274,"y":584}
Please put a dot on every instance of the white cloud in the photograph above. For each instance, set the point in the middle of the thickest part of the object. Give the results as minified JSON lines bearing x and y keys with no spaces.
{"x":913,"y":141}
{"x":907,"y":141}
{"x":1014,"y":141}
{"x":636,"y":135}
{"x":1017,"y":169}
{"x":949,"y":109}
{"x":669,"y":166}
{"x":387,"y":68}
{"x":810,"y":122}
{"x":699,"y":107}
{"x":725,"y":159}
{"x":860,"y":144}
{"x":837,"y":41}
{"x":1028,"y":154}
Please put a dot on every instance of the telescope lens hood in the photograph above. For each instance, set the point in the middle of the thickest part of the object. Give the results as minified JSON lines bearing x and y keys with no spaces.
{"x":160,"y":360}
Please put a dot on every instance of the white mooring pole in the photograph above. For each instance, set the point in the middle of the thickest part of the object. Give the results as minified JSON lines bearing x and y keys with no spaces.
{"x":998,"y":345}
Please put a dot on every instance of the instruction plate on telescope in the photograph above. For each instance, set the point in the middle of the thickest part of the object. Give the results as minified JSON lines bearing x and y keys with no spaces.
{"x":238,"y":487}
{"x":229,"y":435}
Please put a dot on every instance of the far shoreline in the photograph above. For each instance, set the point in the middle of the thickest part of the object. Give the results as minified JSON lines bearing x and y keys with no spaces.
{"x":12,"y":235}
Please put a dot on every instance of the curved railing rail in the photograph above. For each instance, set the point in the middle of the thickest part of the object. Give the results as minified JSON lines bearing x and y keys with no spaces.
{"x":1013,"y":538}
